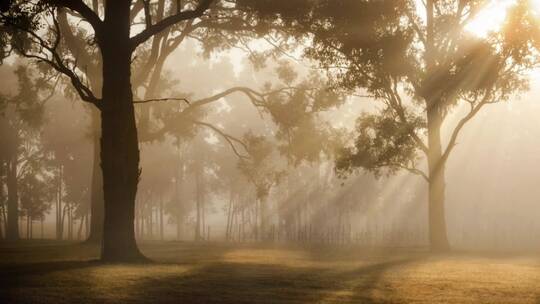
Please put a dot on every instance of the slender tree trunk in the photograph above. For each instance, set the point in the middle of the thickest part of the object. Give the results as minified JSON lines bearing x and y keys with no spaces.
{"x":12,"y":231}
{"x":41,"y":226}
{"x":119,"y":143}
{"x":151,"y":223}
{"x":96,"y":197}
{"x":229,"y":216}
{"x":81,"y":225}
{"x":437,"y":222}
{"x":28,"y":221}
{"x":2,"y":207}
{"x":263,"y":214}
{"x":198,"y":202}
{"x":59,"y":208}
{"x":161,"y":227}
{"x":70,"y":222}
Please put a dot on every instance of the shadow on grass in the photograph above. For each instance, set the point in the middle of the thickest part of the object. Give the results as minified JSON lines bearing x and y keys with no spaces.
{"x":256,"y":283}
{"x":202,"y":276}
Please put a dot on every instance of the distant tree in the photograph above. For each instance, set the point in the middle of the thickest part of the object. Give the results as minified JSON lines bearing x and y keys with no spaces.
{"x":262,"y":170}
{"x":302,"y":136}
{"x":21,"y":117}
{"x":36,"y":194}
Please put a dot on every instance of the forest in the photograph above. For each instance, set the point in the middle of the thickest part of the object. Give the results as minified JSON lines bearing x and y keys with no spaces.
{"x":269,"y":151}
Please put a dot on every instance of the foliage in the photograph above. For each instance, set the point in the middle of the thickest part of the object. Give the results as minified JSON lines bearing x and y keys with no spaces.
{"x":411,"y":63}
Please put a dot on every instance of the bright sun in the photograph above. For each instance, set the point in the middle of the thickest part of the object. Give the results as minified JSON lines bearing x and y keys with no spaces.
{"x":492,"y":16}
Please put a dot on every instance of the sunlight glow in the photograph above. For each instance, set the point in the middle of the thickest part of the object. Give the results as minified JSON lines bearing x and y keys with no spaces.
{"x":535,"y":6}
{"x":491,"y":17}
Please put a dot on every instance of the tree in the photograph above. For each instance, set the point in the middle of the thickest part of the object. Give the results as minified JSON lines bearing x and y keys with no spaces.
{"x":421,"y":63}
{"x":36,"y":194}
{"x":263,"y":172}
{"x":21,"y":117}
{"x":231,"y":28}
{"x":119,"y":143}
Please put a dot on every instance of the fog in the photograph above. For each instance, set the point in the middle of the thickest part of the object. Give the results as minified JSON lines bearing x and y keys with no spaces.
{"x":269,"y":151}
{"x":491,"y":177}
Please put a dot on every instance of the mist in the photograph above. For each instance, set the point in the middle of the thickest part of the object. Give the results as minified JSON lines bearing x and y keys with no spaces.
{"x":347,"y":151}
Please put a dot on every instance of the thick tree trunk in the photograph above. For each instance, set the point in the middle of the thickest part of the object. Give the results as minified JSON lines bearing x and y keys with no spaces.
{"x":119,"y":143}
{"x":12,"y":230}
{"x":438,"y":239}
{"x":96,"y":199}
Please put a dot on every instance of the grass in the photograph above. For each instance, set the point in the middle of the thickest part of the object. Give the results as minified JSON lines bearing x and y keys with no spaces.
{"x":52,"y":272}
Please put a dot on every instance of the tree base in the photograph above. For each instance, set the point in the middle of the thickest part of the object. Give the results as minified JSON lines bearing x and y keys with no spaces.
{"x":125,"y":257}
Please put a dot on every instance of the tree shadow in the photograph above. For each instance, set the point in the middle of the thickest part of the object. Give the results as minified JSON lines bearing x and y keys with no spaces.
{"x":203,"y":275}
{"x":262,"y":283}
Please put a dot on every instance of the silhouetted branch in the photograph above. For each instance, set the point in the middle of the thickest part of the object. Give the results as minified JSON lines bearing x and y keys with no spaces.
{"x":56,"y":61}
{"x":474,"y":109}
{"x":86,"y":12}
{"x":169,"y":21}
{"x":230,"y":139}
{"x":163,"y":99}
{"x":415,"y":171}
{"x":397,"y":105}
{"x":147,"y":14}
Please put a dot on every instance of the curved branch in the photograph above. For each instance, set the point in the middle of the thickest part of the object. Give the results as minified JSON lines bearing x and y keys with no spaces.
{"x":229,"y":138}
{"x":457,"y":130}
{"x":162,"y":99}
{"x":86,"y":12}
{"x":169,"y":21}
{"x":56,"y":62}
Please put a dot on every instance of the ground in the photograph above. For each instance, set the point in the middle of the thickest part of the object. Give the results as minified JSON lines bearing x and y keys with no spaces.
{"x":52,"y":272}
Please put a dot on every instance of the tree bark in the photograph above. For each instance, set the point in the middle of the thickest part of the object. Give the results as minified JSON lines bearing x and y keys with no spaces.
{"x":12,"y":230}
{"x":119,"y":143}
{"x":438,"y":239}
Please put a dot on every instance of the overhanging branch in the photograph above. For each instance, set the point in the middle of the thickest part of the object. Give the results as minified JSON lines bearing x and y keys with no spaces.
{"x":169,"y":21}
{"x":229,"y":138}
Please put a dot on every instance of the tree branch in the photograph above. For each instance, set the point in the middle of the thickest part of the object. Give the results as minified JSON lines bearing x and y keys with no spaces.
{"x":163,"y":99}
{"x":86,"y":12}
{"x":229,"y":138}
{"x":56,"y":61}
{"x":169,"y":21}
{"x":455,"y":134}
{"x":397,"y":106}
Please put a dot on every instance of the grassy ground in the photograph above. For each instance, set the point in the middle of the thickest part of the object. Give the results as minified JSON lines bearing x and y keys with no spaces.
{"x":51,"y":272}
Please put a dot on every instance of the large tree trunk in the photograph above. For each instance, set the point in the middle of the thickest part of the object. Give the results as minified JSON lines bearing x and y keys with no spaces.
{"x":12,"y":230}
{"x":438,"y":239}
{"x":96,"y":196}
{"x":119,"y":143}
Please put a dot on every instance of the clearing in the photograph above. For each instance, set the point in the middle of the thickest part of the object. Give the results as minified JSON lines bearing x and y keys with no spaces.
{"x":60,"y":272}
